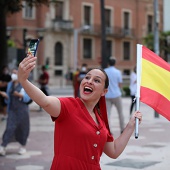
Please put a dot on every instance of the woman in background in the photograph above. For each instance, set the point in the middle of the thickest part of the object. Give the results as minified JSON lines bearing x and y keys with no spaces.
{"x":18,"y":125}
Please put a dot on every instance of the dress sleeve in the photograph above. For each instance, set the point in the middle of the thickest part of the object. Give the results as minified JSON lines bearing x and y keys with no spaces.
{"x":67,"y":106}
{"x":110,"y":137}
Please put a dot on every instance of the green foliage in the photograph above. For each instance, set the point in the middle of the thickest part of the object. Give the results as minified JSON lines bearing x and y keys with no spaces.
{"x":164,"y":48}
{"x":149,"y":41}
{"x":10,"y":43}
{"x":126,"y":91}
{"x":13,"y":6}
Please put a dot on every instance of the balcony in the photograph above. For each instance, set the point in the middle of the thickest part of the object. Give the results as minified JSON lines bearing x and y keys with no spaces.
{"x":116,"y":32}
{"x":119,"y":32}
{"x":62,"y":25}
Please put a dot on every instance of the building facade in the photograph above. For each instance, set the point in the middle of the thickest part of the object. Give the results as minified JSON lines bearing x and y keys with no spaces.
{"x":72,"y":33}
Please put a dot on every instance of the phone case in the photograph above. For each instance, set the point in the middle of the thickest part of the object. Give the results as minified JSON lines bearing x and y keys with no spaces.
{"x":33,"y":46}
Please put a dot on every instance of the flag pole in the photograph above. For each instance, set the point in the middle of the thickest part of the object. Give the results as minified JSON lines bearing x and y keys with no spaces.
{"x":139,"y":60}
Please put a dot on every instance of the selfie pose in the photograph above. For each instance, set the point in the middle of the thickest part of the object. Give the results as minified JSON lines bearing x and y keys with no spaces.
{"x":81,"y":132}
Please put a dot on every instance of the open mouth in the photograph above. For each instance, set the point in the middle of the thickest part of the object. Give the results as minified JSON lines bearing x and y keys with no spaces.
{"x":88,"y":90}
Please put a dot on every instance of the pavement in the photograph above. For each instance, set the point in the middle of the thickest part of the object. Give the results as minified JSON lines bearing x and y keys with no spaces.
{"x":151,"y":151}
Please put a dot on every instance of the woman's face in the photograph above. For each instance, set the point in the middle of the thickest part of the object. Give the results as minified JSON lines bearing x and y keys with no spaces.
{"x":92,"y":86}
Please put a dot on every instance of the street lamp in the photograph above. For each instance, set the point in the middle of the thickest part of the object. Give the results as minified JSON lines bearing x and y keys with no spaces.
{"x":40,"y":32}
{"x":76,"y":32}
{"x":103,"y":34}
{"x":24,"y":39}
{"x":8,"y":32}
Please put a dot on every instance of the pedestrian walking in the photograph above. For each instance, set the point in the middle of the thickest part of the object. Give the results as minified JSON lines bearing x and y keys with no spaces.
{"x":81,"y":132}
{"x":133,"y":88}
{"x":76,"y":83}
{"x":44,"y":80}
{"x":78,"y":77}
{"x":114,"y":95}
{"x":5,"y":77}
{"x":18,"y":125}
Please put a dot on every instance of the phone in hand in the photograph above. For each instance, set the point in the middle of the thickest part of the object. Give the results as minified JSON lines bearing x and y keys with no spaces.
{"x":32,"y":48}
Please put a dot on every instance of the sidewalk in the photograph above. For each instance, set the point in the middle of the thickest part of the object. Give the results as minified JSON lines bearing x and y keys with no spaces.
{"x":151,"y":151}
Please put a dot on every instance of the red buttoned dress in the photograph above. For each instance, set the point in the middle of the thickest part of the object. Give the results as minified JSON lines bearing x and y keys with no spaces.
{"x":78,"y":140}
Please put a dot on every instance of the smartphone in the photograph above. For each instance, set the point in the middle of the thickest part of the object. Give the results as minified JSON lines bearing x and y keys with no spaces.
{"x":32,"y":48}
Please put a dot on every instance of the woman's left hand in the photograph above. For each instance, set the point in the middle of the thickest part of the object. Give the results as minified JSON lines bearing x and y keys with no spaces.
{"x":25,"y":67}
{"x":138,"y":115}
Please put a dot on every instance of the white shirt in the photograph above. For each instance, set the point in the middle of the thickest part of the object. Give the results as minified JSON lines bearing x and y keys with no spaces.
{"x":115,"y":78}
{"x":133,"y":85}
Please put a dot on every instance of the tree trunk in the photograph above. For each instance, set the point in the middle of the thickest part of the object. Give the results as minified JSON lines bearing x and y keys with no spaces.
{"x":3,"y":39}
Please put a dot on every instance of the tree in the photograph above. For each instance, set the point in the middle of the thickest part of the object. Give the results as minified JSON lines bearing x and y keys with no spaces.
{"x":163,"y":43}
{"x":6,"y":7}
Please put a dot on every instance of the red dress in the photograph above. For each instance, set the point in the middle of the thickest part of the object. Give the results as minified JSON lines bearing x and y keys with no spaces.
{"x":78,"y":140}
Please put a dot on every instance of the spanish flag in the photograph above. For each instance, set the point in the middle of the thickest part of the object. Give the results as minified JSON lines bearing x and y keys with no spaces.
{"x":154,"y":81}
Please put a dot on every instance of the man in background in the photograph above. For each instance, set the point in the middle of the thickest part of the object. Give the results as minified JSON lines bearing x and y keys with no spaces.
{"x":44,"y":80}
{"x":113,"y":96}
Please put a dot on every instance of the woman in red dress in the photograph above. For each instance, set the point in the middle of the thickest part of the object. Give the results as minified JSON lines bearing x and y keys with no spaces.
{"x":81,"y":129}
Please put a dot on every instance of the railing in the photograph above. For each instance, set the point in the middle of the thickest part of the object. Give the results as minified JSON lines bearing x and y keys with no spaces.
{"x":116,"y":32}
{"x":94,"y":29}
{"x":62,"y":25}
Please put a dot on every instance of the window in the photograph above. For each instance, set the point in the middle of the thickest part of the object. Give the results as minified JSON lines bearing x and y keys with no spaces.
{"x":108,"y":17}
{"x":87,"y":15}
{"x":126,"y":50}
{"x":150,"y":24}
{"x":126,"y":72}
{"x":28,"y":11}
{"x":108,"y":49}
{"x":58,"y":54}
{"x":87,"y":48}
{"x":126,"y":20}
{"x":59,"y":10}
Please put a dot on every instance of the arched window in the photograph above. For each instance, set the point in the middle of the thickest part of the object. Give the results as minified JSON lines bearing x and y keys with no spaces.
{"x":58,"y":54}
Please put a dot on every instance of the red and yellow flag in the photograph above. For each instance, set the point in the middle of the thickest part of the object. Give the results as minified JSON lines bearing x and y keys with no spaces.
{"x":155,"y":82}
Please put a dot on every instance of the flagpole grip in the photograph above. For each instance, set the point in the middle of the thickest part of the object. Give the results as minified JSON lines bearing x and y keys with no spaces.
{"x":136,"y":128}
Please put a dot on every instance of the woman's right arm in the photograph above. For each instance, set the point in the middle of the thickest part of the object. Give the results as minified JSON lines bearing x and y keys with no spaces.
{"x":50,"y":104}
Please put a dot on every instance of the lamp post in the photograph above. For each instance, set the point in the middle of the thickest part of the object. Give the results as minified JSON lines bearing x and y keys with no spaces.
{"x":40,"y":32}
{"x":24,"y":40}
{"x":76,"y":32}
{"x":103,"y":34}
{"x":8,"y":32}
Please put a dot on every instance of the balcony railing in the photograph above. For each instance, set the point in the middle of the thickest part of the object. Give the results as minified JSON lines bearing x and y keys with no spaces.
{"x":116,"y":32}
{"x":62,"y":25}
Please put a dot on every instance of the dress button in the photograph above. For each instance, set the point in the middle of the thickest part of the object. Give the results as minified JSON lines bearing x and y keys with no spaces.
{"x":98,"y":132}
{"x":92,"y":157}
{"x":95,"y":145}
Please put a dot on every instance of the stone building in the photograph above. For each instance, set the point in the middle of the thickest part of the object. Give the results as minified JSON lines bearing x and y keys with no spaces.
{"x":72,"y":33}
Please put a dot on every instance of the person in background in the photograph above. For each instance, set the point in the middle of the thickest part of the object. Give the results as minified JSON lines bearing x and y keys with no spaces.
{"x":78,"y":77}
{"x":5,"y":77}
{"x":83,"y":72}
{"x":81,"y":75}
{"x":81,"y":132}
{"x":18,"y":124}
{"x":44,"y":80}
{"x":133,"y":88}
{"x":114,"y":95}
{"x":76,"y":83}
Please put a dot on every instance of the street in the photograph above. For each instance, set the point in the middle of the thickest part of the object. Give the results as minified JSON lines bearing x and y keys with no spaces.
{"x":149,"y":152}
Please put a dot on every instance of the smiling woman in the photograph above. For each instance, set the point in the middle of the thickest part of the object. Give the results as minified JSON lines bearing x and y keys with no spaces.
{"x":81,"y":130}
